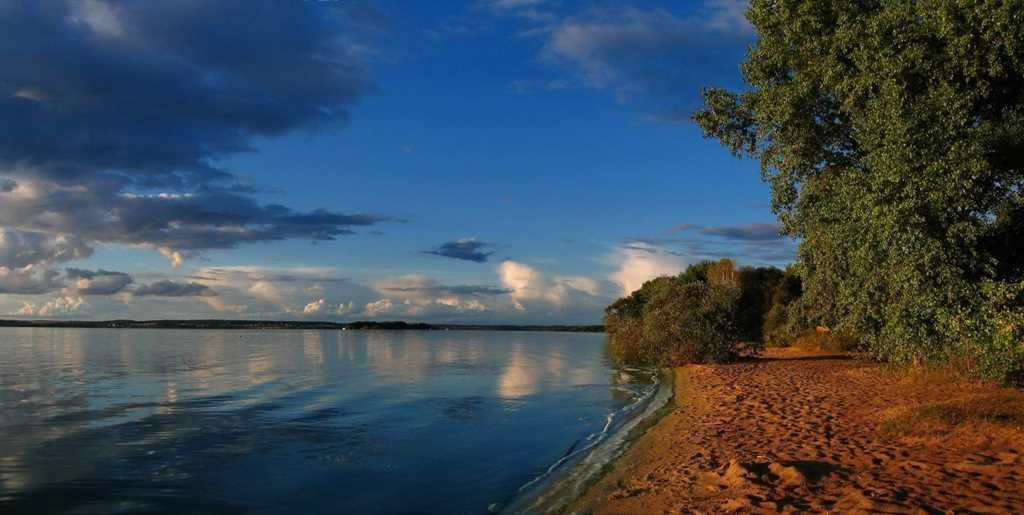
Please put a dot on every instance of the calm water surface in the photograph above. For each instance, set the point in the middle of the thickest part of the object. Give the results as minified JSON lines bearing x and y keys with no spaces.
{"x":192,"y":421}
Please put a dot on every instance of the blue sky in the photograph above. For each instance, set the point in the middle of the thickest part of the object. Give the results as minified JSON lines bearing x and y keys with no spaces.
{"x":487,"y":161}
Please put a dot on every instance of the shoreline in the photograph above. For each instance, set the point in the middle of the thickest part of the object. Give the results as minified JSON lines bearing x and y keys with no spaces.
{"x":819,"y":432}
{"x":570,"y":477}
{"x":248,"y":325}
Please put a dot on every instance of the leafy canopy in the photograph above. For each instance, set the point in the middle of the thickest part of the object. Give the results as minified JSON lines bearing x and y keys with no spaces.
{"x":892,"y":137}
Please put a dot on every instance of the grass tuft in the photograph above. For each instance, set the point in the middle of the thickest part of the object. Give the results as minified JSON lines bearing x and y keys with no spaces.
{"x":1003,"y":409}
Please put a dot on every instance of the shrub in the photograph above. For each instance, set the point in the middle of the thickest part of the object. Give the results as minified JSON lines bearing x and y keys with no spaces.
{"x":692,"y":323}
{"x":993,"y":335}
{"x":691,"y":317}
{"x":704,"y":313}
{"x":823,"y":339}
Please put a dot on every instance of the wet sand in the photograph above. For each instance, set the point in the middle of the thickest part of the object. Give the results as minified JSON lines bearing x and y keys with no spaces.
{"x":800,"y":432}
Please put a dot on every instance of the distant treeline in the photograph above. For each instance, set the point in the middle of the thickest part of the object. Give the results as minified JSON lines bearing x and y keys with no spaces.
{"x":290,"y":324}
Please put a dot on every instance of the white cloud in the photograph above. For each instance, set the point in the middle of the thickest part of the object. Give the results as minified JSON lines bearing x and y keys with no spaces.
{"x":527,"y":284}
{"x":379,"y":307}
{"x":30,"y":94}
{"x":640,"y":263}
{"x":314,"y":307}
{"x":345,"y":309}
{"x":61,"y":305}
{"x":175,"y":257}
{"x":419,"y":296}
{"x":658,"y":52}
{"x":99,"y":16}
{"x":280,"y":286}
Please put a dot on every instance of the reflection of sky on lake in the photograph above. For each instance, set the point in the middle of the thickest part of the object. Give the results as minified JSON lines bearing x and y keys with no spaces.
{"x":275,"y":421}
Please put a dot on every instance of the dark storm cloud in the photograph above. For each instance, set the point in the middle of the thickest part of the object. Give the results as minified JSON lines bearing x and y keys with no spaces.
{"x":192,"y":222}
{"x":19,"y":249}
{"x":174,"y":289}
{"x":154,"y":90}
{"x":753,"y":232}
{"x":29,"y":281}
{"x":468,"y":249}
{"x":105,"y":101}
{"x":100,"y":282}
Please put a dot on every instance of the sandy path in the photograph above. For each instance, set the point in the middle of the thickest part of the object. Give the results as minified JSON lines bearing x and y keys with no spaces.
{"x":799,"y":433}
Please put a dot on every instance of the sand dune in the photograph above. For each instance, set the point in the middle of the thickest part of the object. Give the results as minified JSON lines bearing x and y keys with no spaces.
{"x":806,"y":433}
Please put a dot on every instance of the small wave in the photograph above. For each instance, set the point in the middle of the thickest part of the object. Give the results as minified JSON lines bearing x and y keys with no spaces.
{"x":561,"y":483}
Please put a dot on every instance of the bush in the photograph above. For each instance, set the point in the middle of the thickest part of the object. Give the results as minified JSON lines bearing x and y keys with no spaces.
{"x":822,"y":339}
{"x":993,"y":335}
{"x":692,"y":323}
{"x":696,"y":316}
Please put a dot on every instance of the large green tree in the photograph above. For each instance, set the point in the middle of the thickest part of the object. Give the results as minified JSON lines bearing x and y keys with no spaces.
{"x":892,"y":136}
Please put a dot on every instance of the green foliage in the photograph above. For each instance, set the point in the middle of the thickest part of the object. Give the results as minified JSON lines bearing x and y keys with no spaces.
{"x":673,"y":320}
{"x":782,"y":321}
{"x":892,"y":137}
{"x":758,"y":288}
{"x":700,"y":315}
{"x":692,"y":322}
{"x":824,"y":340}
{"x":995,"y":338}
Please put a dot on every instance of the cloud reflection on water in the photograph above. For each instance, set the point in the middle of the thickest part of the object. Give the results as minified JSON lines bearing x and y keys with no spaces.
{"x":177,"y":406}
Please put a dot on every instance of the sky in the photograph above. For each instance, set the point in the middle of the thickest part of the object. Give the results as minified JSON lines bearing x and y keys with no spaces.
{"x":488,"y":161}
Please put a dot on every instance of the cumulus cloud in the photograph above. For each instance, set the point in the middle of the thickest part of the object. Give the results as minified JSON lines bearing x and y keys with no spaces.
{"x":100,"y":282}
{"x":280,"y":286}
{"x":345,"y":309}
{"x":123,"y":114}
{"x":284,"y":291}
{"x":29,"y":280}
{"x":167,"y":288}
{"x":418,"y":296}
{"x":529,"y":285}
{"x":167,"y":95}
{"x":314,"y":307}
{"x":467,"y":249}
{"x":642,"y":262}
{"x":61,"y":305}
{"x":378,"y":307}
{"x":19,"y":249}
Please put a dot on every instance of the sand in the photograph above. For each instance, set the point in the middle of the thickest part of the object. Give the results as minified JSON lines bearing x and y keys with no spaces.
{"x":797,"y":432}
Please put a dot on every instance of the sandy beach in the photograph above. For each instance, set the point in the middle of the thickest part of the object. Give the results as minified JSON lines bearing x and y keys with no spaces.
{"x":803,"y":432}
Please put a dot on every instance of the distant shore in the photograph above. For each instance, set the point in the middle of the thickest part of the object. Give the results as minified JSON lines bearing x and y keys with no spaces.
{"x":814,"y":432}
{"x":292,"y":324}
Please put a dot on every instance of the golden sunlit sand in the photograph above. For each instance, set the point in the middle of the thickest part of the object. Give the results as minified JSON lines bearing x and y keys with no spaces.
{"x":796,"y":431}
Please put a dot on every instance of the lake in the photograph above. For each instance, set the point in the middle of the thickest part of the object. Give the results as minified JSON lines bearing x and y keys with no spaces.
{"x":204,"y":421}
